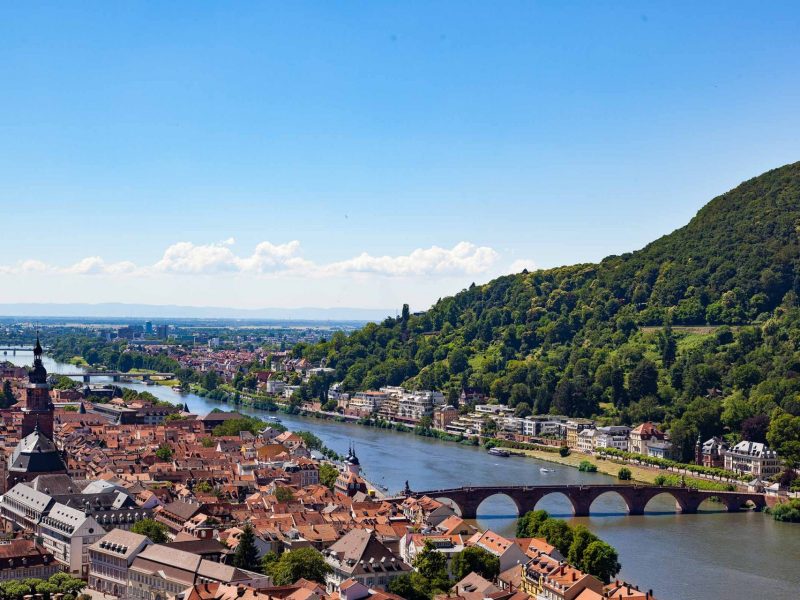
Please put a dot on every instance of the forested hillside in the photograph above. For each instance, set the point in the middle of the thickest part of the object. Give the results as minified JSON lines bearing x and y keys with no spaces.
{"x":611,"y":339}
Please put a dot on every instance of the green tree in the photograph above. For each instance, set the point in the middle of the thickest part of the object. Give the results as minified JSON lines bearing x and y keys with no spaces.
{"x":581,"y":538}
{"x":476,"y":559}
{"x":236,"y":426}
{"x":157,"y":532}
{"x":432,"y":565}
{"x":624,"y":474}
{"x":303,"y":563}
{"x":784,"y":437}
{"x":411,"y":586}
{"x":8,"y":398}
{"x":643,"y":380}
{"x":457,"y":361}
{"x":66,"y":583}
{"x":284,"y":494}
{"x":46,"y":588}
{"x":15,"y":588}
{"x":520,"y":394}
{"x":164,"y":452}
{"x":246,"y":554}
{"x":557,"y":533}
{"x":204,"y":487}
{"x":211,"y":380}
{"x":601,"y":560}
{"x":528,"y":524}
{"x":788,"y":512}
{"x":125,"y":362}
{"x":328,"y":474}
{"x":311,"y":441}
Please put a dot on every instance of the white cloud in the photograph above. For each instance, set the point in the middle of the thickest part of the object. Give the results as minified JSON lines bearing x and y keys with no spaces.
{"x":464,"y":257}
{"x":94,"y":265}
{"x":285,"y":259}
{"x":25,"y":266}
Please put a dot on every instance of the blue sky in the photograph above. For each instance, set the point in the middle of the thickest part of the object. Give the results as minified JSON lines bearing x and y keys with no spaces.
{"x":369,"y":154}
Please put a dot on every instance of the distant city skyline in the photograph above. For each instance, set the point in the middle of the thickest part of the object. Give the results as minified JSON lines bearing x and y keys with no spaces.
{"x":367,"y":155}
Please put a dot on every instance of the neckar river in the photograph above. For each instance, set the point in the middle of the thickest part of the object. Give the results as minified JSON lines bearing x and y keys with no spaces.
{"x":710,"y":555}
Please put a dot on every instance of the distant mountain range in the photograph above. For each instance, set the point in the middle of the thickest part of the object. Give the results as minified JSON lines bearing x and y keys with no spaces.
{"x":169,"y":311}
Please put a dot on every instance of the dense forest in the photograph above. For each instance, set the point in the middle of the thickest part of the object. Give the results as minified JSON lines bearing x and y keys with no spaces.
{"x":699,"y":330}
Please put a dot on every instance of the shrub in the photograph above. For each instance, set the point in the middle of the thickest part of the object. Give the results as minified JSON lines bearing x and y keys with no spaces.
{"x":788,"y":512}
{"x":563,"y":451}
{"x":587,"y":467}
{"x":624,"y":474}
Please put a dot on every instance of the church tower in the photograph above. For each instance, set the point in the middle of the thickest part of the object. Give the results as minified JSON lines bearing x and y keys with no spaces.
{"x":38,"y":409}
{"x":36,"y":453}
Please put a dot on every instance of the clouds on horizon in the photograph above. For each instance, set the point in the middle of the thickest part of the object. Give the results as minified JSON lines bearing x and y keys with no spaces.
{"x":271,"y":260}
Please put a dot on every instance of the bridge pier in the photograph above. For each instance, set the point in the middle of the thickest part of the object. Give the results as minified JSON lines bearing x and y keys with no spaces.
{"x":87,"y":378}
{"x":581,"y":505}
{"x":115,"y":378}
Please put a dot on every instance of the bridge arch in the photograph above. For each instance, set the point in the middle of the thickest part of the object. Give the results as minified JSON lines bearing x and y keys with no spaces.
{"x":498,"y":495}
{"x":622,"y":504}
{"x":459,"y":510}
{"x":554,"y":494}
{"x":735,"y":502}
{"x":680,"y":504}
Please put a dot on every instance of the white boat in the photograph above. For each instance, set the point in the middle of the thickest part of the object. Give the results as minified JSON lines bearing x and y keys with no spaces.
{"x":272,"y":419}
{"x":546,"y":470}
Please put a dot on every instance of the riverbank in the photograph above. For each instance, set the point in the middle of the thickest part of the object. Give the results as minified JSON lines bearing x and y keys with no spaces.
{"x":606,"y":465}
{"x":639,"y":473}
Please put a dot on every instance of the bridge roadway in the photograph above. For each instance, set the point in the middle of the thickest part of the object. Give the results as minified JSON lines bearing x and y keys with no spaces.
{"x":468,"y":499}
{"x":116,"y":375}
{"x":16,"y":349}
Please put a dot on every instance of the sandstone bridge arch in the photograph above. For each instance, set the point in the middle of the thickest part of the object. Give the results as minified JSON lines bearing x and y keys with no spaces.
{"x":467,"y":499}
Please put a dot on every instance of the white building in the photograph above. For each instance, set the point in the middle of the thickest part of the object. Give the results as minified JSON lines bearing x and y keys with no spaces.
{"x":544,"y":426}
{"x":111,"y":557}
{"x":753,"y":458}
{"x":612,"y":436}
{"x":586,"y":440}
{"x":367,"y":402}
{"x":68,"y":533}
{"x":412,"y":406}
{"x":275,"y":386}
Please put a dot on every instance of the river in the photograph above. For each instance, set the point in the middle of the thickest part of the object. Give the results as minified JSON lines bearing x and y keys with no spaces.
{"x":711,"y":555}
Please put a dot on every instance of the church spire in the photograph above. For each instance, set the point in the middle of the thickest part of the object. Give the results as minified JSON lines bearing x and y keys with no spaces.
{"x":38,"y":374}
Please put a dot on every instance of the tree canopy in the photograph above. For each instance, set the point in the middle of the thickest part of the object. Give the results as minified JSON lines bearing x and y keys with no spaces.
{"x":705,"y":312}
{"x":305,"y":563}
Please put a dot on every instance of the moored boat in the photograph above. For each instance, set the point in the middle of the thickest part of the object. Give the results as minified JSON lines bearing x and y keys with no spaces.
{"x":499,"y":452}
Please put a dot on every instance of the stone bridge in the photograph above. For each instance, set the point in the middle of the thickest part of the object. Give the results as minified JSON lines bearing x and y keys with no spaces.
{"x":636,"y":497}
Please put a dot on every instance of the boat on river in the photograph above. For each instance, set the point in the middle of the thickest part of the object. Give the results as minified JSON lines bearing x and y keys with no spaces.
{"x":546,"y":470}
{"x":499,"y":452}
{"x":271,"y":419}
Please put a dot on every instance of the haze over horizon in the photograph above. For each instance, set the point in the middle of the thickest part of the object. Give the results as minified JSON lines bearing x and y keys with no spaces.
{"x":367,"y":155}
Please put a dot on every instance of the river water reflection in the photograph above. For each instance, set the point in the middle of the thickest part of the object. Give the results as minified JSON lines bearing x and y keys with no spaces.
{"x":711,"y":555}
